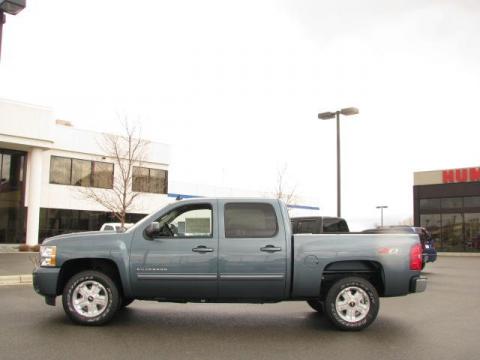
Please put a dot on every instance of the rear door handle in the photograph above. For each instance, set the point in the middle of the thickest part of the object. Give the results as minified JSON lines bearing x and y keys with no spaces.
{"x":202,"y":249}
{"x":270,"y":248}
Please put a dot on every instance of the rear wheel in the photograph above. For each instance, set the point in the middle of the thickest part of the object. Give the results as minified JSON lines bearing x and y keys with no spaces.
{"x":352,"y":304}
{"x":90,"y":298}
{"x":316,"y":304}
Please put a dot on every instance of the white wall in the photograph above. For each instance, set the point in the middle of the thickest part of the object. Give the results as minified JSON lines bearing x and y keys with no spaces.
{"x":25,"y":125}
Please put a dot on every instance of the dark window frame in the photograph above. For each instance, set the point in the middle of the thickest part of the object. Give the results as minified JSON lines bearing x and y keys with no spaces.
{"x":92,"y":172}
{"x":277,"y":227}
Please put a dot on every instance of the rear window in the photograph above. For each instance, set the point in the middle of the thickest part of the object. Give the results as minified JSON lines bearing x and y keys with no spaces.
{"x":250,"y":220}
{"x":334,"y":225}
{"x":306,"y":226}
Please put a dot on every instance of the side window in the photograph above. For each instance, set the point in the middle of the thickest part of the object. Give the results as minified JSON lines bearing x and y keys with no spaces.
{"x":250,"y":220}
{"x":187,"y":221}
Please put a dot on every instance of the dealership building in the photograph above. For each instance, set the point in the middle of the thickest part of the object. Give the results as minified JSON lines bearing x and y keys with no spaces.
{"x":46,"y":163}
{"x":447,"y":203}
{"x":47,"y":167}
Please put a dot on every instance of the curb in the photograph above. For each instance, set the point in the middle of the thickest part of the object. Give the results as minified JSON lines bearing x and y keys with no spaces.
{"x":18,"y":252}
{"x":458,"y":254}
{"x":16,"y":279}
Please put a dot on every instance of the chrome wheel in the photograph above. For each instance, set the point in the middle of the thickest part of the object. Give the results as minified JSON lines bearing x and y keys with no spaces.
{"x":352,"y":304}
{"x":90,"y":298}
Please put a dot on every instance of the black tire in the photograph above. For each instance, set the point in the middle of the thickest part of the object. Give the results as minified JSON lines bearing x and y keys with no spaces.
{"x":108,"y":294}
{"x":367,"y":298}
{"x":125,"y":302}
{"x":316,"y":305}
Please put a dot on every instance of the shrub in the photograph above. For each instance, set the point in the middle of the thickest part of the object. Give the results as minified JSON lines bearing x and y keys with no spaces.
{"x":28,"y":248}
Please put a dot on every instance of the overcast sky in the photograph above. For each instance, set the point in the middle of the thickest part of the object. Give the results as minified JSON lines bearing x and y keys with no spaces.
{"x":236,"y":86}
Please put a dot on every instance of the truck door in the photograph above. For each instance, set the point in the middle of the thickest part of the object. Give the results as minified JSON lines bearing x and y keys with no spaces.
{"x":175,"y":255}
{"x":252,"y":250}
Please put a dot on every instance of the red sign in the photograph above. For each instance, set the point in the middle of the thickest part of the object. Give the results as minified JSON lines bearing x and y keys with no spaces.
{"x":461,"y":175}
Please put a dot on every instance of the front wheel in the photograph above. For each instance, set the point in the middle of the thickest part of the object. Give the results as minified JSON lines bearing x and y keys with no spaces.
{"x":90,"y":298}
{"x":352,"y":304}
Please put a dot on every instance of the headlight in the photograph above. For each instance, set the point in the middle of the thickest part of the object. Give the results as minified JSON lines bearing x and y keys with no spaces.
{"x":48,"y":255}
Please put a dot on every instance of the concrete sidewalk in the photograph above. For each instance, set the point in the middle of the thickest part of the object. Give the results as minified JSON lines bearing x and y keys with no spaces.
{"x":16,"y":267}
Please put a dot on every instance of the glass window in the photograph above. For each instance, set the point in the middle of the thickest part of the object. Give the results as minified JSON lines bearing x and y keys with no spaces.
{"x":187,"y":221}
{"x":471,"y":201}
{"x":81,"y":172}
{"x":452,"y":203}
{"x":432,"y":223}
{"x":60,"y":170}
{"x":102,"y":175}
{"x":61,"y":221}
{"x":5,"y":166}
{"x":140,"y":179}
{"x":431,"y":204}
{"x":150,"y":180}
{"x":472,"y":231}
{"x":157,"y":181}
{"x":452,"y":232}
{"x":12,"y":210}
{"x":244,"y":220}
{"x":307,"y":227}
{"x":334,"y":225}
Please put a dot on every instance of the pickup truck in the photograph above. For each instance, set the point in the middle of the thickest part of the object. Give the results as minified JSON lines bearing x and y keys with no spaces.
{"x":227,"y":250}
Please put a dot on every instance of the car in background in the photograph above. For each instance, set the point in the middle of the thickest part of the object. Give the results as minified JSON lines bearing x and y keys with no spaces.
{"x":429,"y":253}
{"x":318,"y":225}
{"x":115,"y":227}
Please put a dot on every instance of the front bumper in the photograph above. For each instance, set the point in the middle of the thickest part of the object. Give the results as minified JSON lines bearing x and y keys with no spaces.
{"x":418,"y":284}
{"x":45,"y":281}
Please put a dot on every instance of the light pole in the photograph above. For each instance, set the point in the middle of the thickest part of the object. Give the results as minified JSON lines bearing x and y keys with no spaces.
{"x":381,"y":207}
{"x":12,"y":7}
{"x":328,"y":116}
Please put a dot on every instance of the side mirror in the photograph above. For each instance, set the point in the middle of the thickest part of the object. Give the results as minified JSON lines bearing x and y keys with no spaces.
{"x":153,"y":230}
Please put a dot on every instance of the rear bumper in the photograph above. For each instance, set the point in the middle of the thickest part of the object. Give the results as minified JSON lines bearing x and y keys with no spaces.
{"x":418,"y":284}
{"x":45,"y":281}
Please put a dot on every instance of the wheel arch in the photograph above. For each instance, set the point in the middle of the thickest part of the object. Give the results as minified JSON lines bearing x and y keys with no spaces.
{"x":105,"y":265}
{"x":367,"y":269}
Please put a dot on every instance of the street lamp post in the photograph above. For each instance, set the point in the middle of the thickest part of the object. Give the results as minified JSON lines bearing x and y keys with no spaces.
{"x":12,"y":7}
{"x":381,"y":207}
{"x":327,"y":116}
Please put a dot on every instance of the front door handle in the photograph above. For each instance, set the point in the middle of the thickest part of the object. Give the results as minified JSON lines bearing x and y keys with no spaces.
{"x":202,"y":249}
{"x":270,"y":248}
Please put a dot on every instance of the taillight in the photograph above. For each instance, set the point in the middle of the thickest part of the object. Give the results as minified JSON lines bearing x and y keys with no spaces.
{"x":416,"y":257}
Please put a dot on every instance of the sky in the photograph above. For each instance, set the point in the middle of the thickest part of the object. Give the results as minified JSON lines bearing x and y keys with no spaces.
{"x":235,"y":87}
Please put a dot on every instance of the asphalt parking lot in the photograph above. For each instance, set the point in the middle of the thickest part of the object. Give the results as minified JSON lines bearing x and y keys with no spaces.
{"x":441,"y":323}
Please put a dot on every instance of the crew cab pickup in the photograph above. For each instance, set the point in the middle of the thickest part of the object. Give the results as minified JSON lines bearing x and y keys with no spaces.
{"x":227,"y":250}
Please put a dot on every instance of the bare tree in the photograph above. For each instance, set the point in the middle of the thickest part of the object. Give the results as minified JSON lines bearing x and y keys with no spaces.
{"x":126,"y":150}
{"x":282,"y":190}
